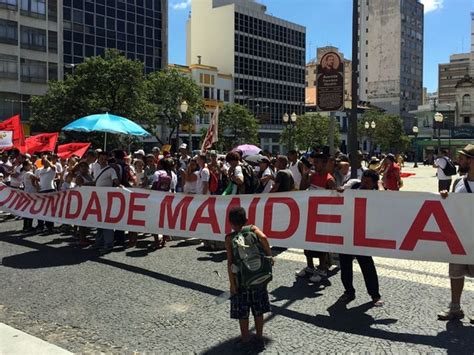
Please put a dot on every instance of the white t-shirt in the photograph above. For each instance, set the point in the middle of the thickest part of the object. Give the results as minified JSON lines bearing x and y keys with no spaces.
{"x":28,"y":183}
{"x":441,"y":164}
{"x":17,"y":180}
{"x":269,"y":184}
{"x":183,"y":162}
{"x":95,"y":169}
{"x":59,"y":168}
{"x":67,"y":186}
{"x":106,"y":177}
{"x":461,"y":187}
{"x":294,"y":168}
{"x":237,"y":173}
{"x":203,"y":177}
{"x":46,"y":176}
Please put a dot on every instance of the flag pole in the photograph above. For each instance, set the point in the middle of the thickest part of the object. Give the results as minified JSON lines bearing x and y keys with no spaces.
{"x":105,"y":142}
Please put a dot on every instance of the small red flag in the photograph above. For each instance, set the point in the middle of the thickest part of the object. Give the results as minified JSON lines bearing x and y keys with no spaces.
{"x":44,"y":142}
{"x":68,"y":150}
{"x":14,"y":124}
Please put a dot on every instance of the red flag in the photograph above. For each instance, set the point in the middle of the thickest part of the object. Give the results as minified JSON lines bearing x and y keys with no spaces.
{"x":68,"y":150}
{"x":44,"y":142}
{"x":211,"y":135}
{"x":14,"y":124}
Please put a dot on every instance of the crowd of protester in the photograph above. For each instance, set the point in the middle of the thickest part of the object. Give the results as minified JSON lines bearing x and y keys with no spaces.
{"x":214,"y":174}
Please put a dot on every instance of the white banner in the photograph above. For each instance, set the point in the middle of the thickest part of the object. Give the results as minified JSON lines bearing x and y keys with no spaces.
{"x":6,"y":139}
{"x":406,"y":225}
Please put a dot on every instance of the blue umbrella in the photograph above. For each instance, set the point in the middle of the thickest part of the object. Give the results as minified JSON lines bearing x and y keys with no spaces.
{"x":108,"y":123}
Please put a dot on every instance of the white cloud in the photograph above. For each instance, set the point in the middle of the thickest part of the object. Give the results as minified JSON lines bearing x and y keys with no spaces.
{"x":181,"y":5}
{"x":432,"y":5}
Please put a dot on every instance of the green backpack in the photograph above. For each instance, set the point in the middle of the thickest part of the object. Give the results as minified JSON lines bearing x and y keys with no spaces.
{"x":252,"y":267}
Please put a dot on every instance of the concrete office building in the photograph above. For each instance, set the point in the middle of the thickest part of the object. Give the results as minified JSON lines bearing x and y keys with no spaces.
{"x":450,"y":73}
{"x":30,"y":52}
{"x":264,"y":54}
{"x":138,"y":28}
{"x":391,"y":55}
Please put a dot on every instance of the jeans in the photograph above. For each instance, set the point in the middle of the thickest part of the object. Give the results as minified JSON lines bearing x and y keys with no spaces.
{"x":41,"y":224}
{"x":369,"y":272}
{"x":105,"y":238}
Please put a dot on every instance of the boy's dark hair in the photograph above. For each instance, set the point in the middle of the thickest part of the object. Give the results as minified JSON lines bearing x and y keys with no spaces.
{"x":103,"y":153}
{"x":371,"y":174}
{"x":232,"y":156}
{"x":238,"y":216}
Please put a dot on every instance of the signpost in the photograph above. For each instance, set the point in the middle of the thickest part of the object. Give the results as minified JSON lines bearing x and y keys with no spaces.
{"x":6,"y":139}
{"x":330,"y":80}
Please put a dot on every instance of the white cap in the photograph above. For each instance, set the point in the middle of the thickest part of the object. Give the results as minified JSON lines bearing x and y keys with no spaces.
{"x":155,"y":149}
{"x":183,"y":146}
{"x":140,"y":151}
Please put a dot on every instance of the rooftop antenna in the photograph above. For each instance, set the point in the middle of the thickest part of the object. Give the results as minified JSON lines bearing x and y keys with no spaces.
{"x":199,"y":59}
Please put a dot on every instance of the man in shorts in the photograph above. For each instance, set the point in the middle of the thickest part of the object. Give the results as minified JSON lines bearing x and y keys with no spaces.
{"x":457,"y":272}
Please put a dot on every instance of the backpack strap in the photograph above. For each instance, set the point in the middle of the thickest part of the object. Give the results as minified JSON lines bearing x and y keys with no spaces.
{"x":468,"y":187}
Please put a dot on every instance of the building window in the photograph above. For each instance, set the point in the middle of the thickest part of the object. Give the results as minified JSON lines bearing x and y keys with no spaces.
{"x":52,"y":10}
{"x":9,"y":4}
{"x":33,"y":71}
{"x":53,"y":42}
{"x":33,"y":38}
{"x":226,"y":95}
{"x":33,"y":8}
{"x":206,"y":93}
{"x":8,"y":66}
{"x":52,"y":71}
{"x":466,"y":120}
{"x":466,"y":103}
{"x":8,"y":32}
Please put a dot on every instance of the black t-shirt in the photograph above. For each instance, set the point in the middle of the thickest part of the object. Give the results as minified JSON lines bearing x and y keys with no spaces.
{"x":284,"y":179}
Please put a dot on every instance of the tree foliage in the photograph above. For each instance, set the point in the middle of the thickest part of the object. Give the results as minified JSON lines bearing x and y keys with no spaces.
{"x":311,"y":130}
{"x":237,"y":126}
{"x":166,"y":90}
{"x":389,"y":133}
{"x":109,"y":83}
{"x":112,"y":83}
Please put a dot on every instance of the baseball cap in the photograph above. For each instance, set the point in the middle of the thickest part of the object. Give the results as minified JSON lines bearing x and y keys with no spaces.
{"x":139,"y":152}
{"x":155,"y":149}
{"x":183,"y":146}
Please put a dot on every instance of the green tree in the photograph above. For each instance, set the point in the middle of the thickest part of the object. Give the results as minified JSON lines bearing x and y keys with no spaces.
{"x":237,"y":126}
{"x":389,"y":133}
{"x":166,"y":90}
{"x":311,"y":130}
{"x":109,"y":83}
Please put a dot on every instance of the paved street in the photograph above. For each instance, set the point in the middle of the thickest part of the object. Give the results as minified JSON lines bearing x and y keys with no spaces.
{"x":135,"y":301}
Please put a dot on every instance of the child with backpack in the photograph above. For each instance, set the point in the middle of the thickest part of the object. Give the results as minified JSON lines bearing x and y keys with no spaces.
{"x":249,"y":265}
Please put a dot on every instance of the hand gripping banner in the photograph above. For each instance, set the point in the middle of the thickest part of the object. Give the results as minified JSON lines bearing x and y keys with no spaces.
{"x":406,"y":225}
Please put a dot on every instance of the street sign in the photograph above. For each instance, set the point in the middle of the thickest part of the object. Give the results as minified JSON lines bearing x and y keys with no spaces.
{"x":463,"y":132}
{"x":330,"y":83}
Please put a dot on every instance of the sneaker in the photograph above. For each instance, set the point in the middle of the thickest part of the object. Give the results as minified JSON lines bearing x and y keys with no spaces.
{"x":378,"y":302}
{"x":304,"y":272}
{"x":451,"y":314}
{"x":318,"y":276}
{"x":471,"y":319}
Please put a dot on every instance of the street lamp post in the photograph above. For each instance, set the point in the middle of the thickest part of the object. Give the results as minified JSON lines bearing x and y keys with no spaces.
{"x":291,"y":120}
{"x":438,"y":117}
{"x":183,"y":108}
{"x":71,"y":66}
{"x":370,"y":128}
{"x":415,"y":132}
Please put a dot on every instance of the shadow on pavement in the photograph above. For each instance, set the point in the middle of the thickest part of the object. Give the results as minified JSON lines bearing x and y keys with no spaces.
{"x":300,"y":290}
{"x":229,"y":347}
{"x":214,"y":257}
{"x":458,"y":337}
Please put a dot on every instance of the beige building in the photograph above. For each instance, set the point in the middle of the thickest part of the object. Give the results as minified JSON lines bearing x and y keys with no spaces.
{"x":31,"y":42}
{"x":217,"y":89}
{"x":391,"y":55}
{"x":450,"y":73}
{"x":264,"y":54}
{"x":312,"y":73}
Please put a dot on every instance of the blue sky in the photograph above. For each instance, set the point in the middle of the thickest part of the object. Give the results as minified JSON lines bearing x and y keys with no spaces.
{"x":329,"y":22}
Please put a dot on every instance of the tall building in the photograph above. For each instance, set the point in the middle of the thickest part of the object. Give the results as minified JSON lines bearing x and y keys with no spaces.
{"x":30,"y":52}
{"x":264,"y":54}
{"x":391,"y":55}
{"x":312,"y":72}
{"x":138,"y":28}
{"x":450,"y":73}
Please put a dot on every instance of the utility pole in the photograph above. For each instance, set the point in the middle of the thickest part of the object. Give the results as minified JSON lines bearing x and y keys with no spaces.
{"x":352,"y":127}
